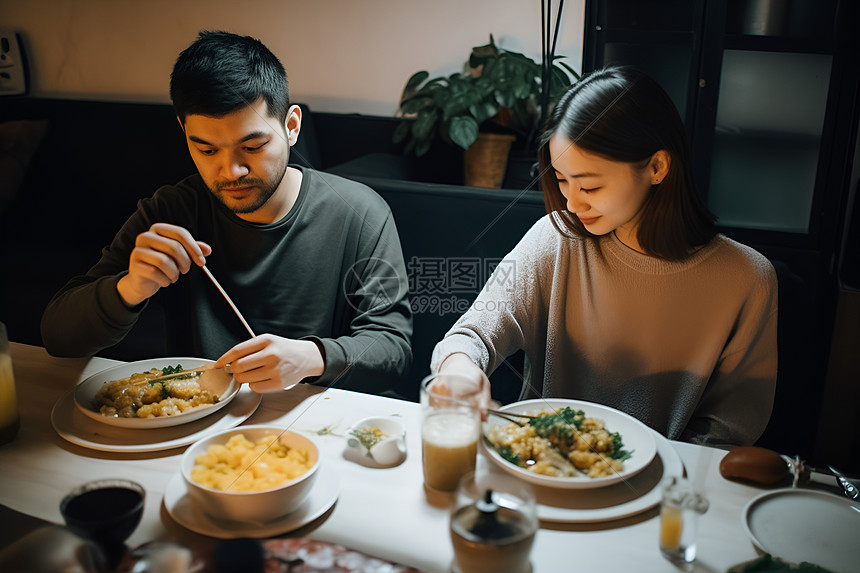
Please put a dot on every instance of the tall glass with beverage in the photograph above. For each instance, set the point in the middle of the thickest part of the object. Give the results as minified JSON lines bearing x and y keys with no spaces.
{"x":450,"y":428}
{"x":9,"y":420}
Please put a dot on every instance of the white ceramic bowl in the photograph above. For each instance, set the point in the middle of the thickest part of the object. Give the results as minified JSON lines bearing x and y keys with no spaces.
{"x":798,"y":525}
{"x":637,"y":438}
{"x":86,"y":391}
{"x":251,"y":506}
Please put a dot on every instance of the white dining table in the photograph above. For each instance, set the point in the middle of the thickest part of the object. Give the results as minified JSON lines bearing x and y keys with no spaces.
{"x":384,"y":512}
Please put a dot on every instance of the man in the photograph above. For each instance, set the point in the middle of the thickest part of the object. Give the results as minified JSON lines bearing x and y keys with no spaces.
{"x":313,"y":261}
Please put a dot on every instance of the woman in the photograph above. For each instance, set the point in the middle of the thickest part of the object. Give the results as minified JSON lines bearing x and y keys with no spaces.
{"x":624,"y":294}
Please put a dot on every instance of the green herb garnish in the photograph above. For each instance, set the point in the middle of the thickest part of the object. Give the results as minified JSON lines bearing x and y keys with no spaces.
{"x":368,"y":438}
{"x":325,"y":431}
{"x":507,"y":453}
{"x":564,"y":417}
{"x":174,"y":370}
{"x":618,"y":451}
{"x":560,"y":428}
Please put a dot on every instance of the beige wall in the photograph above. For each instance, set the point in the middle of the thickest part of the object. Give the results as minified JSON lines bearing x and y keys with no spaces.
{"x":340,"y":55}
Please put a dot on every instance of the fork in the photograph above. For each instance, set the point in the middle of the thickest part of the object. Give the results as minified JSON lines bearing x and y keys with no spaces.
{"x":511,"y":416}
{"x":848,"y":488}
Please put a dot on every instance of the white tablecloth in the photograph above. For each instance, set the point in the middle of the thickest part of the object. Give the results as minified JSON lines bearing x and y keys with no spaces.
{"x":382,"y":512}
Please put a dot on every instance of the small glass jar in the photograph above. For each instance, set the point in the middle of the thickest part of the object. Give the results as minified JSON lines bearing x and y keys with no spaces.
{"x":680,"y":509}
{"x":493,"y":524}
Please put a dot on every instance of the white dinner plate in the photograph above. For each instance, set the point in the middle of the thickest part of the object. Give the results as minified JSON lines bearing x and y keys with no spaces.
{"x":637,"y":437}
{"x":798,"y":525}
{"x":71,"y":424}
{"x":630,"y":497}
{"x":180,"y":507}
{"x":86,"y":391}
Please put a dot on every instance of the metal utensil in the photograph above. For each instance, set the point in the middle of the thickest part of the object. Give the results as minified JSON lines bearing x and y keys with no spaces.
{"x":802,"y":471}
{"x":848,"y":488}
{"x":180,"y":373}
{"x":216,"y":381}
{"x":511,"y":416}
{"x":230,"y":302}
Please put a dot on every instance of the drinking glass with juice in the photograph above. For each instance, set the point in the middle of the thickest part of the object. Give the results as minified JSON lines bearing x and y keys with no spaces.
{"x":450,"y":428}
{"x":680,"y":509}
{"x":9,"y":420}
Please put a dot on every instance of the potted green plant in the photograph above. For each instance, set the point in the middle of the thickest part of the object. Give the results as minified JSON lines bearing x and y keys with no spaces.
{"x":500,"y":91}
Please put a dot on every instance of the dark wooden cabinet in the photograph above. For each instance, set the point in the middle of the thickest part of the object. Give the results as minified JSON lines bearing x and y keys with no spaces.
{"x":768,"y":90}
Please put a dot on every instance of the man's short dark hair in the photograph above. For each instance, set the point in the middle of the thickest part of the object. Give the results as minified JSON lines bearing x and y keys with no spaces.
{"x":221,"y":73}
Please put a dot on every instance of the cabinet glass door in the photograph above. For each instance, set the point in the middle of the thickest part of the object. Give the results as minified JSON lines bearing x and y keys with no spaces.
{"x":770,"y":115}
{"x":669,"y":64}
{"x":662,"y":43}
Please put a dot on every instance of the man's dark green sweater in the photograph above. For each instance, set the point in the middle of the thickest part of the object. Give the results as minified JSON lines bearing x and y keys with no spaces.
{"x":331,"y":271}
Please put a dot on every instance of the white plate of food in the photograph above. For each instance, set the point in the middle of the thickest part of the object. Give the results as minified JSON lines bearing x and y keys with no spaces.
{"x":622,"y":500}
{"x":619,"y":450}
{"x":127,"y":396}
{"x":797,"y":525}
{"x":73,"y":426}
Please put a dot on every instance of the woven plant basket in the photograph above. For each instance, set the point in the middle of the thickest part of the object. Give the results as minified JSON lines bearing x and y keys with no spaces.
{"x":485,"y":161}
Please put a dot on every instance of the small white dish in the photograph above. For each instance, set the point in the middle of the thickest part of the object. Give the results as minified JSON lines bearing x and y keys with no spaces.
{"x":389,"y":451}
{"x":86,"y":391}
{"x":798,"y":525}
{"x":179,"y":505}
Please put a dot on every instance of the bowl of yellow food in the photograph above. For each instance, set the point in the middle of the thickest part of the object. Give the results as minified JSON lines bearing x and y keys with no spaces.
{"x":568,"y":444}
{"x":155,"y":393}
{"x":250,"y":474}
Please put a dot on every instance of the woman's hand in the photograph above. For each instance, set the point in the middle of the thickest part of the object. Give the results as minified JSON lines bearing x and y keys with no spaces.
{"x":461,"y":365}
{"x":268,"y":363}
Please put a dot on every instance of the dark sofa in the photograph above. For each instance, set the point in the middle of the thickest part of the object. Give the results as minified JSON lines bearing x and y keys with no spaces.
{"x":72,"y":171}
{"x":78,"y":168}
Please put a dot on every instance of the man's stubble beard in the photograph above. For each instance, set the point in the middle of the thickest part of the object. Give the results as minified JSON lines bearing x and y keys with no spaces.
{"x":266,"y":191}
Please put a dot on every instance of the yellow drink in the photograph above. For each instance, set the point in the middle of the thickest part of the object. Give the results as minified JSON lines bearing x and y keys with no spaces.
{"x":8,"y":400}
{"x":679,"y":517}
{"x":671,"y":527}
{"x":449,"y":448}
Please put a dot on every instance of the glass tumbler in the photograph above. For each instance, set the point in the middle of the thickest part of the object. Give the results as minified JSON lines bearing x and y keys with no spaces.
{"x":680,"y":509}
{"x":450,"y":429}
{"x":106,"y":511}
{"x":9,"y":420}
